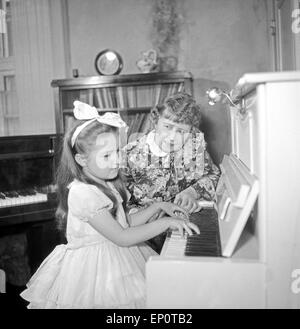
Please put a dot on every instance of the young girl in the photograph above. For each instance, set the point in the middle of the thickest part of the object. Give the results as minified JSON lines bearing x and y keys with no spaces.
{"x":171,"y":161}
{"x":103,"y":263}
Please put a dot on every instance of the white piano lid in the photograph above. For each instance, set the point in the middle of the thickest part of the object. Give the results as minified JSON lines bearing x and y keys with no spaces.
{"x":249,"y":81}
{"x":237,"y":212}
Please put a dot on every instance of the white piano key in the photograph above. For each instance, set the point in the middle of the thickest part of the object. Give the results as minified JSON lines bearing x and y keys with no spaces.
{"x":16,"y":201}
{"x":42,"y":197}
{"x":174,"y":245}
{"x":9,"y":202}
{"x":23,"y":200}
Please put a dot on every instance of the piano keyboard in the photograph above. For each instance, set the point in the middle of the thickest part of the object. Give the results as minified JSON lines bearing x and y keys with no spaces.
{"x":207,"y":243}
{"x":20,"y":198}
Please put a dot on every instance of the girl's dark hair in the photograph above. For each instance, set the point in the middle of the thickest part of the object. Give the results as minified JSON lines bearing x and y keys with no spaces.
{"x":69,"y":169}
{"x":180,"y":108}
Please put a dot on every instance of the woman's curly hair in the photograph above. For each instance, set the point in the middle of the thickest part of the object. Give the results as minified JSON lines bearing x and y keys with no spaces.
{"x":180,"y":108}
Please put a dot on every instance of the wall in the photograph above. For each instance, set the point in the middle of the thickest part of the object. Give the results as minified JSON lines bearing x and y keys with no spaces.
{"x":213,"y":39}
{"x":96,"y":25}
{"x":217,"y":41}
{"x":225,"y":39}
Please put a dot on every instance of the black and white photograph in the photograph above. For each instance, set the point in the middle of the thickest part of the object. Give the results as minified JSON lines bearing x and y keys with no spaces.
{"x":149,"y":157}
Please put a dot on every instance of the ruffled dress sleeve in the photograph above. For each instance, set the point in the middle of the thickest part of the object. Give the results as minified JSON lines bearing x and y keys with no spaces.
{"x":85,"y":201}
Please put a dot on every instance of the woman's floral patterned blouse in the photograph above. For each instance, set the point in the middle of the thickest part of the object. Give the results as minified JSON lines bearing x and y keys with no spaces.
{"x":153,"y":175}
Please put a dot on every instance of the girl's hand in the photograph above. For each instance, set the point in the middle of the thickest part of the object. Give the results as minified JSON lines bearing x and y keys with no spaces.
{"x":173,"y":210}
{"x":188,"y":202}
{"x":181,"y":225}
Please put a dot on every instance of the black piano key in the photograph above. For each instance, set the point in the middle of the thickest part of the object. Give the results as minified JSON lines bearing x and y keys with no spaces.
{"x":2,"y":196}
{"x":204,"y":238}
{"x":202,"y":253}
{"x":23,"y":193}
{"x":31,"y":191}
{"x":8,"y":194}
{"x":207,"y":243}
{"x":203,"y":232}
{"x":197,"y":243}
{"x":201,"y":236}
{"x":201,"y":247}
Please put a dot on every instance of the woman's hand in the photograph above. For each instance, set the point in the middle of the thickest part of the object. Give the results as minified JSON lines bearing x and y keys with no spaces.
{"x":188,"y":202}
{"x":172,"y":210}
{"x":181,"y":225}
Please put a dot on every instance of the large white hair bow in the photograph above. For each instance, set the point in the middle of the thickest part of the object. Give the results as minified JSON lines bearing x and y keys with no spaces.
{"x":83,"y":111}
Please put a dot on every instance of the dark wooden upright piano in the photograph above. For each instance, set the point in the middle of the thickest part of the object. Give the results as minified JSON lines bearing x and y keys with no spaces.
{"x":27,"y":192}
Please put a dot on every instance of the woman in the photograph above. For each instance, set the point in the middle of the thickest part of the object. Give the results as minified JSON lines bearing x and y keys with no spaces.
{"x":171,"y":162}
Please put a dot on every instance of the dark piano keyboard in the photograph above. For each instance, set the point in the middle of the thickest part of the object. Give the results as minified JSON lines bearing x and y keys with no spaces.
{"x":207,"y":243}
{"x":21,"y":197}
{"x":27,"y":205}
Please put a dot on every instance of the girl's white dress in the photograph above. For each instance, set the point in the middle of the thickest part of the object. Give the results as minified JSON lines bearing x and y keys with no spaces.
{"x":90,"y":271}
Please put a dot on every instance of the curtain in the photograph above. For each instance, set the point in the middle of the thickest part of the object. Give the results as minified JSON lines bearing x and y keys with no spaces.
{"x":33,"y":65}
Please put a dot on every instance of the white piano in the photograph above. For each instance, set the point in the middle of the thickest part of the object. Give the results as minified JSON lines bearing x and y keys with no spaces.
{"x":258,"y":211}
